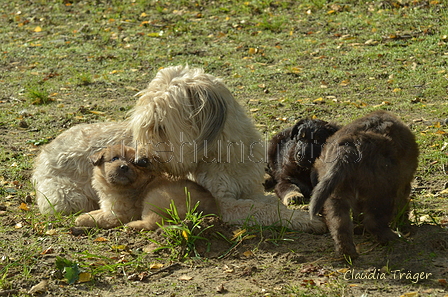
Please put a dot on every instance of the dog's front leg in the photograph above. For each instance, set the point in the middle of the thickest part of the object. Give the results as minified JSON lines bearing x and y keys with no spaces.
{"x":289,"y":193}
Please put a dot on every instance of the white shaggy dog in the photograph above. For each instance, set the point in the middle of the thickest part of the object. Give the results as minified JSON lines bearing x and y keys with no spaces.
{"x":191,"y":125}
{"x":63,"y":172}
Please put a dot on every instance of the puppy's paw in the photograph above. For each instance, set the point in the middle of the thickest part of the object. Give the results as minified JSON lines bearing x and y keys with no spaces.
{"x":85,"y":220}
{"x":349,"y":253}
{"x":293,"y":198}
{"x":142,"y":225}
{"x":98,"y":218}
{"x":387,"y":236}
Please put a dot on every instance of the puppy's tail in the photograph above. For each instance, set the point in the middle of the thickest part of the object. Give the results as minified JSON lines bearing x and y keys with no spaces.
{"x":341,"y":169}
{"x":323,"y":190}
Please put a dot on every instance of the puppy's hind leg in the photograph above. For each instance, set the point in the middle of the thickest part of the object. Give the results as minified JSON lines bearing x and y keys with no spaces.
{"x":377,"y":215}
{"x":337,"y":216}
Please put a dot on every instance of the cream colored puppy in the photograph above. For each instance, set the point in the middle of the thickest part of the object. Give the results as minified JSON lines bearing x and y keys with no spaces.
{"x":129,"y":192}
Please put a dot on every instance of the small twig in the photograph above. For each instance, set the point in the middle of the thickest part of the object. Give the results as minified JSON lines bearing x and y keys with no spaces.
{"x":8,"y":292}
{"x":164,"y":269}
{"x":232,"y":248}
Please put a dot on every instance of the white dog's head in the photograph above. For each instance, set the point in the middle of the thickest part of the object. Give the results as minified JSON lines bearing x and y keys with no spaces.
{"x":182,"y":109}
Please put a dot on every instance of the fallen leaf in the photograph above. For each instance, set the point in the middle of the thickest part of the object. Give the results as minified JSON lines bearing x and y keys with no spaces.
{"x":39,"y":288}
{"x":100,"y":239}
{"x":410,"y":294}
{"x":227,"y":269}
{"x":345,"y":82}
{"x":156,"y":266}
{"x":138,"y":276}
{"x":319,"y":100}
{"x":248,"y":254}
{"x":309,"y":268}
{"x":308,"y":282}
{"x":220,"y":288}
{"x":154,"y":34}
{"x":185,"y":277}
{"x":185,"y":234}
{"x":37,"y":29}
{"x":51,"y":232}
{"x":97,"y":112}
{"x":119,"y":247}
{"x":382,"y":103}
{"x":238,"y":233}
{"x":23,"y":206}
{"x":47,"y":251}
{"x":85,"y":277}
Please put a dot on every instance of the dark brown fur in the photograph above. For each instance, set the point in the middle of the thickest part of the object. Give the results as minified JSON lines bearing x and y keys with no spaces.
{"x":366,"y":167}
{"x":291,"y":156}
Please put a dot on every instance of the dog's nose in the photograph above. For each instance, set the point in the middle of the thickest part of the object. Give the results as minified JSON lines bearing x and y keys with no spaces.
{"x":124,"y":167}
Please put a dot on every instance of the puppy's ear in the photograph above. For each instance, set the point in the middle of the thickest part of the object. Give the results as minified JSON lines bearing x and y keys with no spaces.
{"x":296,"y":128}
{"x":97,"y":158}
{"x":331,"y":128}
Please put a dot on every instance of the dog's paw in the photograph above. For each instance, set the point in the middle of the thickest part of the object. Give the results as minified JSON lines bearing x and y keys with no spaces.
{"x":348,"y":252}
{"x":98,"y":218}
{"x":293,"y":198}
{"x":387,"y":236}
{"x":85,"y":220}
{"x":142,"y":225}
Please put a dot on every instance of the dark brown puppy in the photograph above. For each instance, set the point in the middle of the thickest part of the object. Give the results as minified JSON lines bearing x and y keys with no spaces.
{"x":291,"y":156}
{"x":367,"y":167}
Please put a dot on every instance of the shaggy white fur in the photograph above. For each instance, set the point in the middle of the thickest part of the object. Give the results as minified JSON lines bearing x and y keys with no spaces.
{"x":191,"y":121}
{"x":63,"y":172}
{"x":191,"y":125}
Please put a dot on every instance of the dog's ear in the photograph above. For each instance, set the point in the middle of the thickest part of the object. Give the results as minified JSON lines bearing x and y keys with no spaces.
{"x":331,"y":128}
{"x":97,"y":158}
{"x":295,"y":130}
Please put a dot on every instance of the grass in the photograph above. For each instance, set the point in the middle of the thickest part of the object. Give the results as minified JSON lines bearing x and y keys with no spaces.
{"x":181,"y":235}
{"x":70,"y":62}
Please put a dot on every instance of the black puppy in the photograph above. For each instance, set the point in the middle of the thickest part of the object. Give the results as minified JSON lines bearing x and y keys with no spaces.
{"x":291,"y":155}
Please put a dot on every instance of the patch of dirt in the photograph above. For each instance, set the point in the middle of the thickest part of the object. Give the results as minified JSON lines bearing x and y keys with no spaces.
{"x":258,"y":263}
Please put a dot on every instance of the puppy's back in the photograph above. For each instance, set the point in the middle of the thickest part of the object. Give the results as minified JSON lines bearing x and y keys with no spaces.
{"x":376,"y":149}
